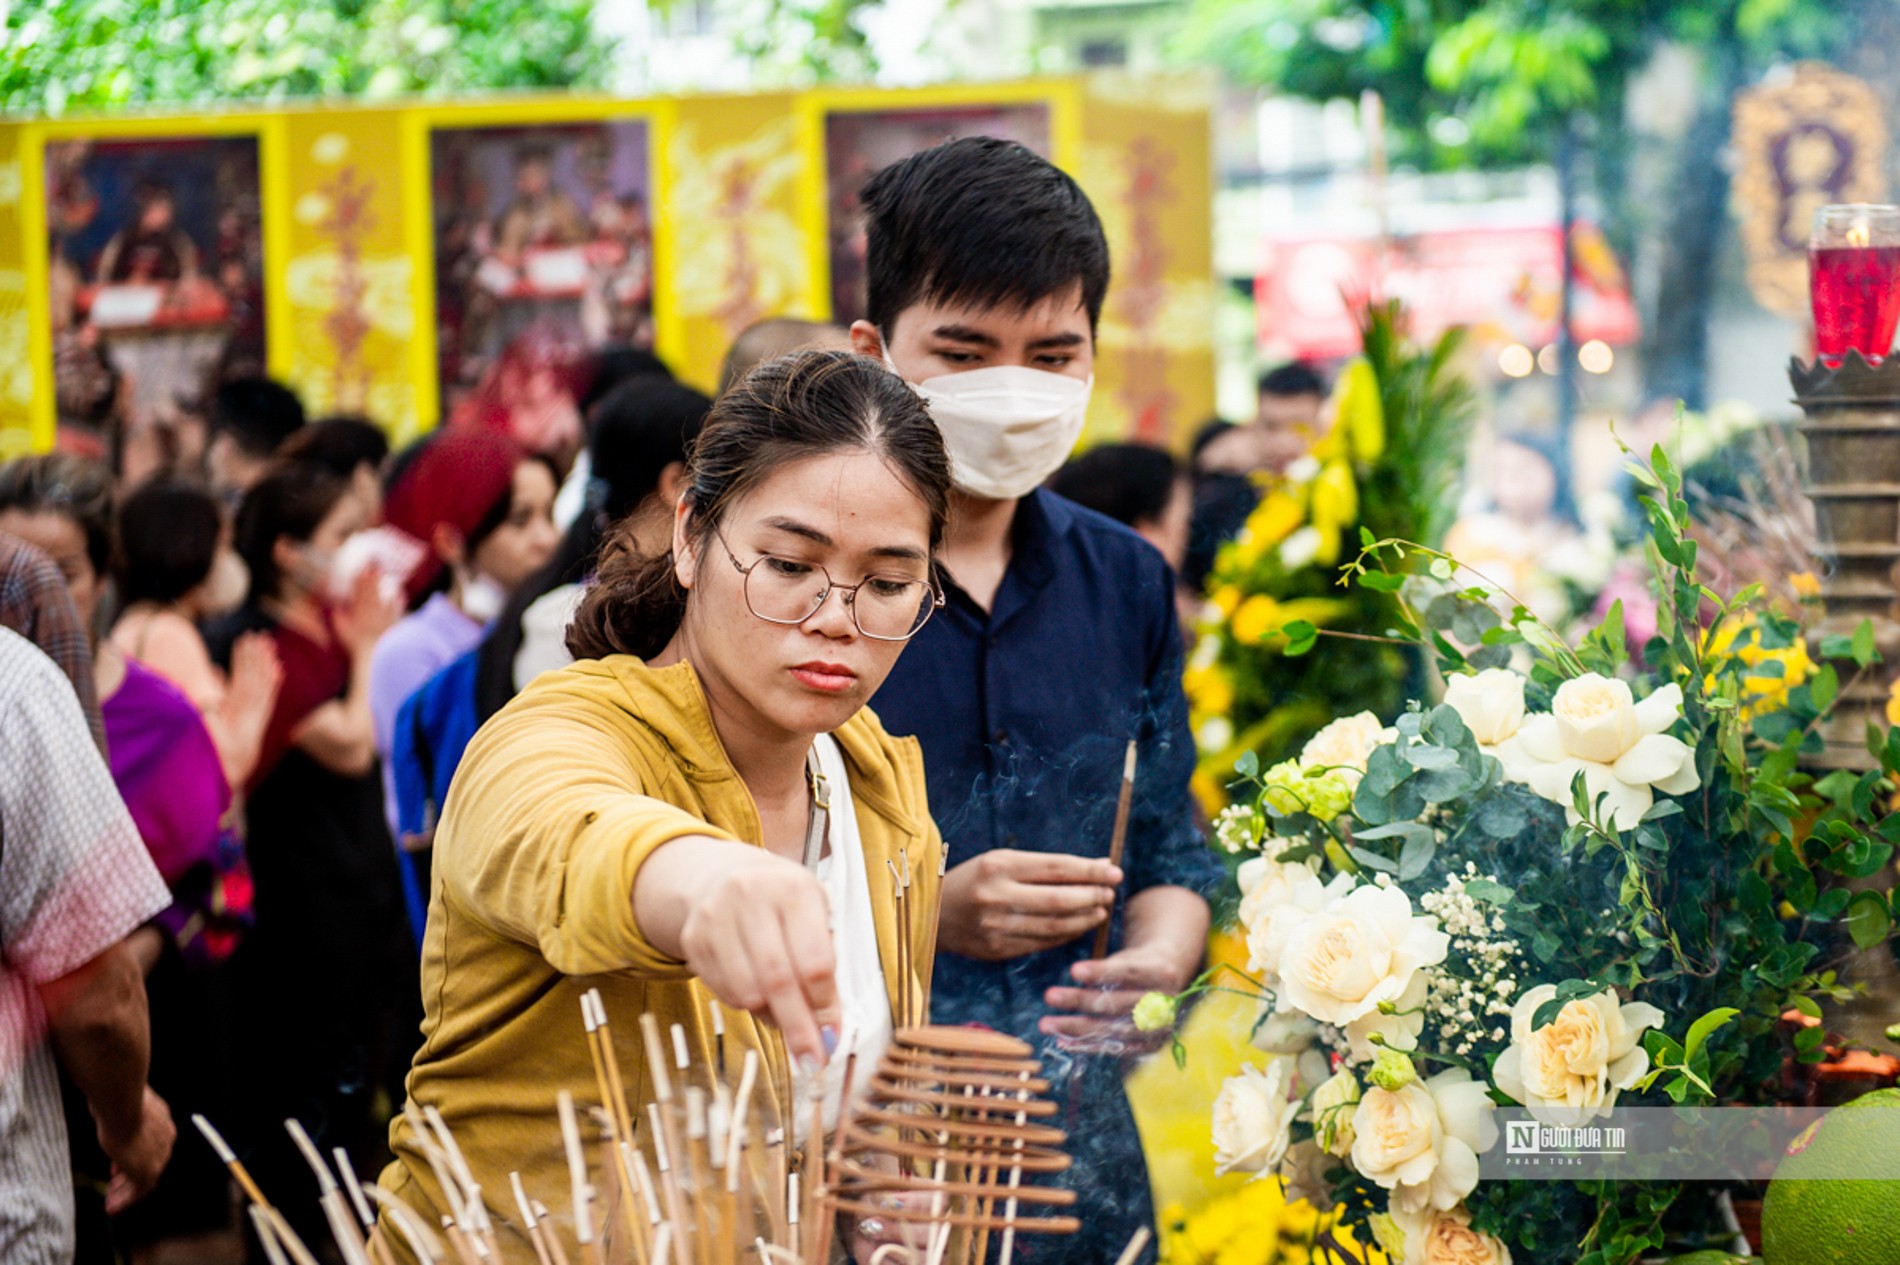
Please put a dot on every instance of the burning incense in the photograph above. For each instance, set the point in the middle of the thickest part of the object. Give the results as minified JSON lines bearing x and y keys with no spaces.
{"x":1116,"y":841}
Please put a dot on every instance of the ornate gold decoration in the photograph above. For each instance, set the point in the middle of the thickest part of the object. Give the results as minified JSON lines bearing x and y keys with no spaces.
{"x":1816,"y":139}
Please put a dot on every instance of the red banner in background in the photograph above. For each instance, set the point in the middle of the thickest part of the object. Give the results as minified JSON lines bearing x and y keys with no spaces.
{"x":1501,"y":282}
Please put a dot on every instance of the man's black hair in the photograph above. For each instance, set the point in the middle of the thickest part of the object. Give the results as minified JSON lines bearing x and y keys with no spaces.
{"x":1131,"y":483}
{"x":257,"y":413}
{"x":339,"y":444}
{"x":983,"y":222}
{"x":1296,"y":377}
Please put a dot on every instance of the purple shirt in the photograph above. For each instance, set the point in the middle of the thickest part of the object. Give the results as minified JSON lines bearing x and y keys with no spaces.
{"x":169,"y":775}
{"x":422,"y":644}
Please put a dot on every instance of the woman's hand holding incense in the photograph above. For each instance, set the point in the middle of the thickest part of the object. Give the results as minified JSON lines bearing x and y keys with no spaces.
{"x":1007,"y":904}
{"x":753,"y":926}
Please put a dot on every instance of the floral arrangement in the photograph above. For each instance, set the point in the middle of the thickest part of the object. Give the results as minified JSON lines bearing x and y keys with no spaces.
{"x":1569,"y":884}
{"x":1257,"y":678}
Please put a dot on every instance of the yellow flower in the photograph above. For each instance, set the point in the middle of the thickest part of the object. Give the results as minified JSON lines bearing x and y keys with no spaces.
{"x":1210,"y":690}
{"x":1893,"y":704}
{"x":1257,"y":616}
{"x":1335,"y":507}
{"x":1805,"y":585}
{"x":1762,"y":692}
{"x":1277,"y":516}
{"x":1359,"y":413}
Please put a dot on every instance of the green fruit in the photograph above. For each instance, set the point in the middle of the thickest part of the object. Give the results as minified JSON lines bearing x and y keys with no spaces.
{"x":1808,"y":1221}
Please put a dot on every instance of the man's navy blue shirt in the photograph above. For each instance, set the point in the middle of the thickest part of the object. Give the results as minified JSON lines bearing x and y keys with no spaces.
{"x":1025,"y":713}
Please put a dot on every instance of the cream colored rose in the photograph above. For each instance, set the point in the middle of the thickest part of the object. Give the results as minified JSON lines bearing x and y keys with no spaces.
{"x":1621,"y":747}
{"x":1264,"y":881}
{"x":1331,"y":1107}
{"x":1398,"y":1030}
{"x":1490,"y":703}
{"x":1346,"y":745}
{"x":1359,"y":949}
{"x":1253,"y":1118}
{"x":1422,"y":1142}
{"x":1276,"y":906}
{"x":1572,"y":1069}
{"x":1443,"y":1236}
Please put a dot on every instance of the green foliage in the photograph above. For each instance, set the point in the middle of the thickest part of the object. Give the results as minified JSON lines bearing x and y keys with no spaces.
{"x":63,"y":55}
{"x":1493,"y":82}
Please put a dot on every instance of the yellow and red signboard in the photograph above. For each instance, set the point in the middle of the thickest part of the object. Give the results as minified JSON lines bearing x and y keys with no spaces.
{"x":380,"y":259}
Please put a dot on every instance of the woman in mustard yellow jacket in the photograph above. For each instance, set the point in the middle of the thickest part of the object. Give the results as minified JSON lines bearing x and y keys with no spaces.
{"x":653,"y":822}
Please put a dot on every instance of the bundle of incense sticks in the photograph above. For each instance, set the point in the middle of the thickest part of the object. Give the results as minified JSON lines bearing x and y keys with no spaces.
{"x":939,"y":1147}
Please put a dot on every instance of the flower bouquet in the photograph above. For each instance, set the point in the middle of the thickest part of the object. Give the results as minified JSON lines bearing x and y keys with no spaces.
{"x":1257,"y":679}
{"x":1568,"y":885}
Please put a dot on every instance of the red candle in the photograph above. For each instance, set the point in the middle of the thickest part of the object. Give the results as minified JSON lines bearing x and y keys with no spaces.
{"x":1854,"y":280}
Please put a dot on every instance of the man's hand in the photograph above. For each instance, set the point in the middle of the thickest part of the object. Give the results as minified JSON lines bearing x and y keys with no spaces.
{"x":1093,"y":1016}
{"x":139,"y":1158}
{"x":1166,"y":939}
{"x":1006,"y":904}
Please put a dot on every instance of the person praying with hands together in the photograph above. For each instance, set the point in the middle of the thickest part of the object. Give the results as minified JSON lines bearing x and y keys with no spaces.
{"x":698,"y":817}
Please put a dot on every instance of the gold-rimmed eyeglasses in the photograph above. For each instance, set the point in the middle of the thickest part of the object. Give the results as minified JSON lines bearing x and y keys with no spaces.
{"x":788,"y":591}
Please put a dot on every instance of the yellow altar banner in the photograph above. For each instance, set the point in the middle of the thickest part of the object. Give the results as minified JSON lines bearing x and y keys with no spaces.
{"x":386,"y":261}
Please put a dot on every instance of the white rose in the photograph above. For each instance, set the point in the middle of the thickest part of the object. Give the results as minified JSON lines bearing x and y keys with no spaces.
{"x":1346,"y":745}
{"x":1443,"y":1236}
{"x":1253,"y":1118}
{"x":1491,"y":704}
{"x":1332,"y":1106}
{"x":1398,"y":1030}
{"x":1572,"y":1069}
{"x":1359,"y":949}
{"x":1620,"y":746}
{"x":1304,"y":1172}
{"x":1264,"y":882}
{"x":1275,"y":907}
{"x":1422,"y":1142}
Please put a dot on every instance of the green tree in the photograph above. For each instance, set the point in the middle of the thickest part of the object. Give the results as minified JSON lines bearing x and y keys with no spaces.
{"x":1504,"y":82}
{"x":64,"y":55}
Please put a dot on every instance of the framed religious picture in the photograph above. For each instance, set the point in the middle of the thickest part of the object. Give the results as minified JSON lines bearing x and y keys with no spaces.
{"x":155,"y":284}
{"x":542,"y":254}
{"x":860,"y":142}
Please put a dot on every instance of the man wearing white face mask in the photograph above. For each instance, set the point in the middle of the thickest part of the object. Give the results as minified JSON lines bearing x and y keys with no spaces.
{"x":987,"y":268}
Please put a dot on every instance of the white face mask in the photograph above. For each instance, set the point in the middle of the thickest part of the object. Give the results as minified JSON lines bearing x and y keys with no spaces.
{"x":1007,"y":427}
{"x":482,"y":598}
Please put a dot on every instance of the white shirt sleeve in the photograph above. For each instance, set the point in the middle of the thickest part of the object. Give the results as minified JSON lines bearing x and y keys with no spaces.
{"x":75,"y":877}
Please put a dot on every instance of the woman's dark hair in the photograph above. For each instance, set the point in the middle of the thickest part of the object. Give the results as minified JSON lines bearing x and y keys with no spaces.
{"x":71,"y":486}
{"x":291,"y":500}
{"x":168,"y":540}
{"x":642,"y":426}
{"x":786,"y":410}
{"x":1131,"y":483}
{"x":339,"y":445}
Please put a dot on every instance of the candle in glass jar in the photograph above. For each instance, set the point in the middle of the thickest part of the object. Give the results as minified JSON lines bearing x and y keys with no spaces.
{"x":1854,"y":280}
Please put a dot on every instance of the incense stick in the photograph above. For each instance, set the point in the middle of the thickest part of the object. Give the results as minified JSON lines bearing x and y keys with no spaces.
{"x":1118,"y":839}
{"x":286,"y":1236}
{"x":1137,"y":1241}
{"x":336,"y":1209}
{"x":378,"y":1248}
{"x":530,"y":1223}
